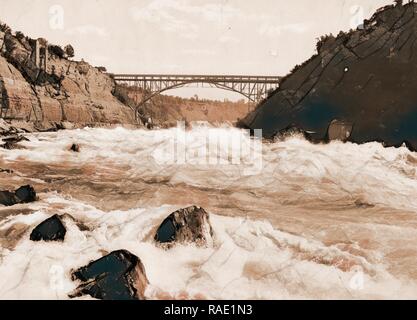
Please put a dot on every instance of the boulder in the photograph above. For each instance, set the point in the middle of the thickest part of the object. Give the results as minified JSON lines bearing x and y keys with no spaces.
{"x":117,"y":276}
{"x":75,"y":148}
{"x":189,"y":225}
{"x":8,"y":198}
{"x":339,"y":130}
{"x":364,"y":78}
{"x":51,"y":229}
{"x":12,"y":141}
{"x":25,"y":194}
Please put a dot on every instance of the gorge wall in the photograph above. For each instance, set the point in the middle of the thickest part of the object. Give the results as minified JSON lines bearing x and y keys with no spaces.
{"x":165,"y":111}
{"x":361,"y":86}
{"x":38,"y":83}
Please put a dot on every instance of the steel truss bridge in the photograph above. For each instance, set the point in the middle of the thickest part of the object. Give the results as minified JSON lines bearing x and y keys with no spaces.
{"x":254,"y":88}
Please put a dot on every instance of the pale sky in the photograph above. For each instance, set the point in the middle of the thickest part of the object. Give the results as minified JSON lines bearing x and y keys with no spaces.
{"x":257,"y":37}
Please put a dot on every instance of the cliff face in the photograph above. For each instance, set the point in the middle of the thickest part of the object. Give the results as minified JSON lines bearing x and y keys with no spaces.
{"x":37,"y":83}
{"x":361,"y":86}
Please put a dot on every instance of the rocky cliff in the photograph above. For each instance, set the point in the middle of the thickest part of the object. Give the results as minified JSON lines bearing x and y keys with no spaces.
{"x":360,"y":86}
{"x":39,"y":83}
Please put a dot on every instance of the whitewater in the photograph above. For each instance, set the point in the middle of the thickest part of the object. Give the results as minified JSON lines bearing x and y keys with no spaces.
{"x":292,"y":219}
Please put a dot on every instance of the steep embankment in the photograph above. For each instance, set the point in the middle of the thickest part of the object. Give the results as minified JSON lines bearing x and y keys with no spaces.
{"x":365,"y":79}
{"x":164,"y":111}
{"x":39,"y":83}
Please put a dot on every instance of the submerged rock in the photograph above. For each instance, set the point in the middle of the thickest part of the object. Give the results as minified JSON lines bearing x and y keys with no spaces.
{"x":189,"y":225}
{"x":365,"y":78}
{"x":51,"y":229}
{"x":117,"y":276}
{"x":24,"y":194}
{"x":75,"y":148}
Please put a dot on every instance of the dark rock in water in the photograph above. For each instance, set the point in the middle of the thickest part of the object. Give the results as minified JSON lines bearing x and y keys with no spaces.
{"x":190,"y":225}
{"x":51,"y":229}
{"x":75,"y":148}
{"x":8,"y":198}
{"x":8,"y":146}
{"x":24,"y":194}
{"x":339,"y":130}
{"x":117,"y":276}
{"x":366,"y":79}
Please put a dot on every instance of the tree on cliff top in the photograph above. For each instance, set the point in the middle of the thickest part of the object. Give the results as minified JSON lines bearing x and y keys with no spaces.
{"x":19,"y":35}
{"x":56,"y":50}
{"x":69,"y":51}
{"x":5,"y":28}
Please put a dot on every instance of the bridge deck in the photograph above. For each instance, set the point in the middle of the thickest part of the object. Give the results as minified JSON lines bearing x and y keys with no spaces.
{"x":198,"y":78}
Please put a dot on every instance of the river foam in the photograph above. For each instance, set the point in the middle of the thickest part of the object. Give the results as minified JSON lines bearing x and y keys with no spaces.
{"x":316,"y":221}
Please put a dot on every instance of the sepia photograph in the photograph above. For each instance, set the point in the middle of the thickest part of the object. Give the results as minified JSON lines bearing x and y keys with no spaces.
{"x":200,"y":151}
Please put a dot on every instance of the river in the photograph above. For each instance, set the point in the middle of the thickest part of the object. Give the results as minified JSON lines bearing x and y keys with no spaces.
{"x":291,"y":219}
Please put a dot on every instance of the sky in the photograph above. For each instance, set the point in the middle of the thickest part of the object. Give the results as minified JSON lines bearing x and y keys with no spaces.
{"x":258,"y":37}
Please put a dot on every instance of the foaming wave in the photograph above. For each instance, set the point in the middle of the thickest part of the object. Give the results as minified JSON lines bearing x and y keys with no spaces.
{"x":368,"y":173}
{"x":249,"y":260}
{"x":311,"y":221}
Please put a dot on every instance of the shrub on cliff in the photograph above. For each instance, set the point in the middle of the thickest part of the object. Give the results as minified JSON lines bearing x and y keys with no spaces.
{"x":57,"y":50}
{"x":69,"y":51}
{"x":19,"y":35}
{"x":5,"y":28}
{"x":24,"y":40}
{"x":321,"y":41}
{"x":9,"y":42}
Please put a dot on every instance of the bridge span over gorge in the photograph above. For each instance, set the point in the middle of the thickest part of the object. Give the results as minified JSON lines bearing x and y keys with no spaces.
{"x":254,"y":88}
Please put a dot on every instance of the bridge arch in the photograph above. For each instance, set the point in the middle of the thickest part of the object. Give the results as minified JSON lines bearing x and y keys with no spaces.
{"x":181,"y":85}
{"x":254,"y":88}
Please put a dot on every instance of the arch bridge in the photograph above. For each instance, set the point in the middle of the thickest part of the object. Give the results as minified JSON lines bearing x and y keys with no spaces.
{"x":254,"y":88}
